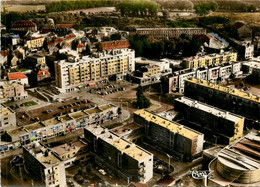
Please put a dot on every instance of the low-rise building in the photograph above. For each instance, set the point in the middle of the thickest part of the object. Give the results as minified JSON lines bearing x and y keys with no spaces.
{"x":209,"y":60}
{"x":13,"y":92}
{"x":120,"y":44}
{"x":167,"y":33}
{"x":128,"y":160}
{"x":237,"y":164}
{"x":61,"y":125}
{"x":72,"y":152}
{"x":33,"y":43}
{"x":230,"y":99}
{"x":7,"y":117}
{"x":252,"y":68}
{"x":18,"y":78}
{"x":24,"y":26}
{"x":227,"y":127}
{"x":176,"y":139}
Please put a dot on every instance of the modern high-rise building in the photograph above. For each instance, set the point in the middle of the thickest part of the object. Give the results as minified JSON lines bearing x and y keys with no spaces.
{"x":84,"y":70}
{"x":230,"y":99}
{"x":226,"y":127}
{"x":173,"y":137}
{"x":126,"y":159}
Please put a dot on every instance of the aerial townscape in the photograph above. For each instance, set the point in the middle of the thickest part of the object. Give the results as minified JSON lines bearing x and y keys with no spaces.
{"x":130,"y":93}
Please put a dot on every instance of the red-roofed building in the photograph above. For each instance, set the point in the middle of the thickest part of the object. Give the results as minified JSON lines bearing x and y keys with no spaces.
{"x":42,"y":74}
{"x":120,"y":44}
{"x":70,"y":36}
{"x":80,"y":47}
{"x":17,"y":77}
{"x":24,"y":26}
{"x":3,"y":57}
{"x":240,"y":30}
{"x":65,"y":25}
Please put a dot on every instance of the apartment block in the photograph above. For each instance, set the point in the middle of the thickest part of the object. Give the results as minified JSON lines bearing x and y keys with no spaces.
{"x":176,"y":139}
{"x":209,"y":60}
{"x":7,"y":117}
{"x":230,"y":99}
{"x":32,"y":43}
{"x":13,"y":92}
{"x":91,"y":69}
{"x":252,"y":68}
{"x":167,"y":33}
{"x":213,"y":74}
{"x":227,"y":127}
{"x":43,"y":164}
{"x":128,"y":160}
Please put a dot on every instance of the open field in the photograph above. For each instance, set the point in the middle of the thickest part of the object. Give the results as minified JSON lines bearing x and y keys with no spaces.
{"x":250,"y":18}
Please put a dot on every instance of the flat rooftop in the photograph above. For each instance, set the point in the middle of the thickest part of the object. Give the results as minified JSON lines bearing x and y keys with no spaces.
{"x":209,"y":109}
{"x":227,"y":90}
{"x":171,"y":126}
{"x":66,"y":148}
{"x":129,"y":149}
{"x":33,"y":127}
{"x":51,"y":121}
{"x":49,"y":160}
{"x":105,"y":107}
{"x":92,"y":111}
{"x":124,"y":128}
{"x":17,"y":132}
{"x":207,"y":56}
{"x":77,"y":115}
{"x":5,"y":111}
{"x":64,"y":118}
{"x":252,"y":64}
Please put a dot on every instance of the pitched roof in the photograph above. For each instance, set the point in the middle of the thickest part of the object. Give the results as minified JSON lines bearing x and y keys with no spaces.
{"x":4,"y":53}
{"x":41,"y":71}
{"x":70,"y":36}
{"x":115,"y":45}
{"x":50,"y":43}
{"x":15,"y":76}
{"x":65,"y":25}
{"x":238,"y":25}
{"x":24,"y":24}
{"x":80,"y":45}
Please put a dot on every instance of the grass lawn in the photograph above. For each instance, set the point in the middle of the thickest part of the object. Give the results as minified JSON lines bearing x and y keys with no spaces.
{"x":22,"y":69}
{"x":30,"y":103}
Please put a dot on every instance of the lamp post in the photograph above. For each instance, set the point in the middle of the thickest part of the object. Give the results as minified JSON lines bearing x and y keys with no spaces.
{"x":216,"y":138}
{"x":169,"y":166}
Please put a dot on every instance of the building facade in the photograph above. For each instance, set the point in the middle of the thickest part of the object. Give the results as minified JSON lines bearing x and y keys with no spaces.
{"x":227,"y":127}
{"x":8,"y":117}
{"x":176,"y":139}
{"x":13,"y":92}
{"x":209,"y":60}
{"x":85,"y":70}
{"x":43,"y":164}
{"x":167,"y":33}
{"x":230,"y":99}
{"x":130,"y":161}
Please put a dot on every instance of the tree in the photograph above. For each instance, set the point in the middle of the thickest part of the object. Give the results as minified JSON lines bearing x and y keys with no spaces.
{"x":141,"y":100}
{"x":115,"y":36}
{"x":204,"y":8}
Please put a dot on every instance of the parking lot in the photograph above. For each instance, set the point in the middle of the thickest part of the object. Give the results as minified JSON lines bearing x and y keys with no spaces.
{"x":109,"y":89}
{"x":54,"y":110}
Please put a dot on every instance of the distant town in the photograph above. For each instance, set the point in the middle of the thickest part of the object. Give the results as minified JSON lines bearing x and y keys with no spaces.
{"x":130,"y":93}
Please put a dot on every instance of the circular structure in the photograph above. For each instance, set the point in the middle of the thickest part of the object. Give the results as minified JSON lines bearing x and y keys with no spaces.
{"x":237,"y":169}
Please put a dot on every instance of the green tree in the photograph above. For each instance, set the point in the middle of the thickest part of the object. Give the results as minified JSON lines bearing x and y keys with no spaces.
{"x":204,"y":8}
{"x":141,"y":100}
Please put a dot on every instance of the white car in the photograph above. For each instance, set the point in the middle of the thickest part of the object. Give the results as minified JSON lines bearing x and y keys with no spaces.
{"x":102,"y":172}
